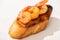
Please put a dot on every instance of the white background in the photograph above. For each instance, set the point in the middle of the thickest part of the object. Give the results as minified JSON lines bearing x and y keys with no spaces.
{"x":9,"y":10}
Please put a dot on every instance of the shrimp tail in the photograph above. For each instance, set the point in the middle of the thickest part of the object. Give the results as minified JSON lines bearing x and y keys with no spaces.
{"x":41,"y":3}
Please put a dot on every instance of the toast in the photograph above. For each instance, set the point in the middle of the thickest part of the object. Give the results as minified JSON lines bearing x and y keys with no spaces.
{"x":21,"y":30}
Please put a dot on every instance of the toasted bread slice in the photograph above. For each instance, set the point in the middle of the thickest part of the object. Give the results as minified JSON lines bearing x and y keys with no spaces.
{"x":16,"y":31}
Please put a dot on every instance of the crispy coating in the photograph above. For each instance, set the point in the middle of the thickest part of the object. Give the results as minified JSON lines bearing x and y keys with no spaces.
{"x":41,"y":3}
{"x":26,"y":17}
{"x":32,"y":13}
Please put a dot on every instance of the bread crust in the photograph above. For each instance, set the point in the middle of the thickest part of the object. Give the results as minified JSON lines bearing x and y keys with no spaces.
{"x":17,"y":31}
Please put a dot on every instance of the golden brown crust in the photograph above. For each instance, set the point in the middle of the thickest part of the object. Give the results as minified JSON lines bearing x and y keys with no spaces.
{"x":36,"y":28}
{"x":17,"y":31}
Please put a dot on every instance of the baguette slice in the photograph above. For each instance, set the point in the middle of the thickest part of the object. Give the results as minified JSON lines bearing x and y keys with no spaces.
{"x":18,"y":32}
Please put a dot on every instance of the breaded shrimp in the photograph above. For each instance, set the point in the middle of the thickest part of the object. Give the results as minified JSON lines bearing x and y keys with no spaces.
{"x":43,"y":9}
{"x":41,"y":3}
{"x":32,"y":12}
{"x":26,"y":17}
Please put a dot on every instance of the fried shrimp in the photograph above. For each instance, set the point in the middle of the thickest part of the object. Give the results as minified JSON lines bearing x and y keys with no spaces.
{"x":26,"y":17}
{"x":43,"y":9}
{"x":42,"y":6}
{"x":34,"y":12}
{"x":41,"y":3}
